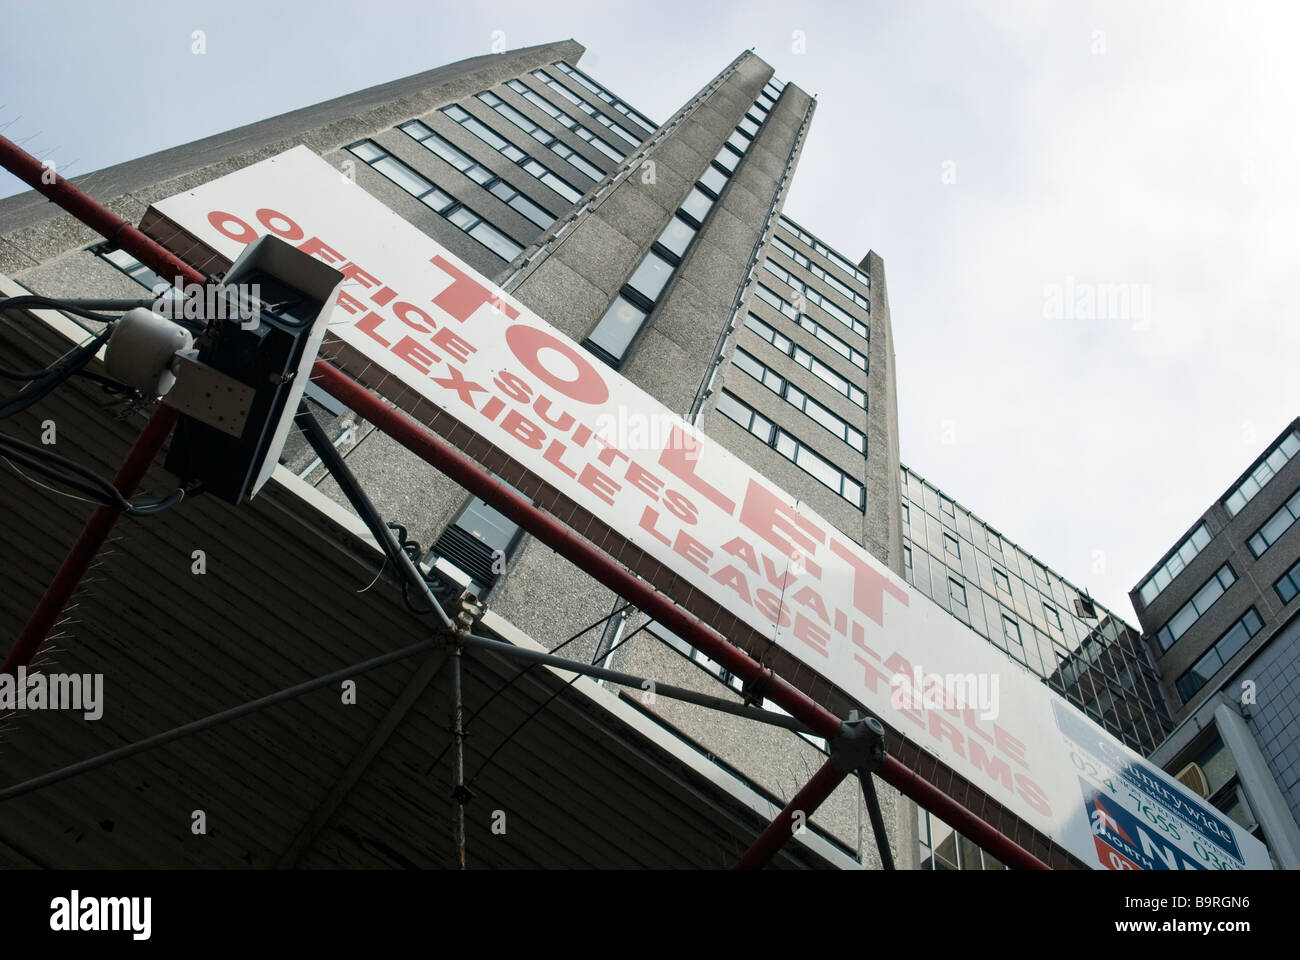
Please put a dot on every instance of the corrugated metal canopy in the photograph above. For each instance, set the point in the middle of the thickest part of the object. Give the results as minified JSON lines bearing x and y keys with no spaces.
{"x":314,"y":782}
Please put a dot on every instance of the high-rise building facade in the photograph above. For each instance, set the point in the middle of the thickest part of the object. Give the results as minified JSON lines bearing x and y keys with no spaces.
{"x":1219,"y":613}
{"x":662,"y":249}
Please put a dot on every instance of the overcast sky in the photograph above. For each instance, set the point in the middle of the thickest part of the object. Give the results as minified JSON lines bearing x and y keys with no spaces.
{"x":1087,"y":211}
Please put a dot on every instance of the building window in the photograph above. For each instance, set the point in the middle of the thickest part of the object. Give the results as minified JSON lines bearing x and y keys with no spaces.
{"x":567,"y":119}
{"x":1180,"y":558}
{"x":1217,"y":657}
{"x":907,"y":559}
{"x":1289,"y":584}
{"x":1041,"y":572}
{"x":792,"y":395}
{"x":1276,"y":525}
{"x":812,"y":296}
{"x":842,"y":263}
{"x":427,"y":193}
{"x":530,"y":165}
{"x":1011,"y":633}
{"x":1053,"y":617}
{"x":806,"y":360}
{"x":1002,"y":581}
{"x":616,"y":331}
{"x":1273,"y":461}
{"x":907,"y":515}
{"x":614,"y":127}
{"x":950,"y":545}
{"x":640,"y":119}
{"x":945,"y":505}
{"x":543,"y":136}
{"x":1194,"y":608}
{"x":956,"y":591}
{"x":792,"y":448}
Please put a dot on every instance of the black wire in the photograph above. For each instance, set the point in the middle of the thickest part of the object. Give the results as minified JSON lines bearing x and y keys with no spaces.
{"x":87,"y":481}
{"x":544,"y":704}
{"x":58,"y":373}
{"x":501,"y":689}
{"x":54,"y":303}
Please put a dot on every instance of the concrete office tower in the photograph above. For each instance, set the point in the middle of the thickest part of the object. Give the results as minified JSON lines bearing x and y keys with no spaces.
{"x":1219,"y":611}
{"x":1080,"y":649}
{"x":662,"y":249}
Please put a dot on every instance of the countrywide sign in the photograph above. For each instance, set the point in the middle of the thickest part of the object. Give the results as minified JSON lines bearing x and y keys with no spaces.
{"x":414,"y":309}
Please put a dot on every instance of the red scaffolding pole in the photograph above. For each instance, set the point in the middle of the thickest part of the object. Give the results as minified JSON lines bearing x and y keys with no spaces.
{"x":429,"y":447}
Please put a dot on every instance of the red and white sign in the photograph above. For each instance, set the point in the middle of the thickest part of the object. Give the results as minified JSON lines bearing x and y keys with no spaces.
{"x":413,"y":308}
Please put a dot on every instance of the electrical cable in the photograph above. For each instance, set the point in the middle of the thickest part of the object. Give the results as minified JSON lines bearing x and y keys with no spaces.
{"x":57,"y":373}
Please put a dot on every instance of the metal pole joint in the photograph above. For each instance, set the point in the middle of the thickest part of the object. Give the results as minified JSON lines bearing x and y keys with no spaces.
{"x":860,"y":746}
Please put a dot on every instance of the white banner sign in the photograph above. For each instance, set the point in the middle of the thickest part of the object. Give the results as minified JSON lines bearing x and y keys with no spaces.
{"x":413,"y":308}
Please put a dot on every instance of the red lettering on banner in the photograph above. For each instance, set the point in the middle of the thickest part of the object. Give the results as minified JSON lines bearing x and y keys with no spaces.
{"x":860,"y":639}
{"x":995,"y":767}
{"x":289,"y":231}
{"x":872,"y":676}
{"x":552,"y":456}
{"x":454,"y":345}
{"x":941,"y":729}
{"x":543,"y":407}
{"x":643,"y":480}
{"x":1009,"y":745}
{"x":811,"y":599}
{"x":649,"y":518}
{"x":869,"y":585}
{"x":527,"y":343}
{"x":522,"y":429}
{"x":513,"y":387}
{"x":354,"y":273}
{"x":765,"y":514}
{"x":811,"y":634}
{"x":1033,"y":794}
{"x":368,"y":325}
{"x":681,"y":507}
{"x":738,"y":547}
{"x":492,"y":409}
{"x":220,"y":220}
{"x":841,"y":622}
{"x":770,"y":606}
{"x":680,"y":456}
{"x":730,"y":576}
{"x":402,"y":311}
{"x":598,"y":483}
{"x":415,"y":354}
{"x":694,"y":551}
{"x":349,"y":303}
{"x":465,"y":389}
{"x":383,"y":297}
{"x":465,"y":294}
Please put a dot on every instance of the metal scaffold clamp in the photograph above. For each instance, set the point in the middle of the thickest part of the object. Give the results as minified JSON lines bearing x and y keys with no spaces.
{"x":860,"y":746}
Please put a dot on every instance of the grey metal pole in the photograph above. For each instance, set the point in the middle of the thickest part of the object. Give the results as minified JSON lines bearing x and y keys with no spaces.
{"x":640,"y":683}
{"x":877,"y":821}
{"x":212,"y":720}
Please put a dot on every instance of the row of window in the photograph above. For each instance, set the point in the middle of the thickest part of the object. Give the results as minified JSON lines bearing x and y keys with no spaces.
{"x":1217,"y":657}
{"x":1195,"y":608}
{"x":425,"y":136}
{"x":567,"y":119}
{"x":609,"y":124}
{"x":636,"y":116}
{"x":792,"y":395}
{"x":811,"y":295}
{"x":806,"y":360}
{"x":1274,"y":460}
{"x":849,"y":353}
{"x":1271,"y":530}
{"x":1186,"y":552}
{"x":543,"y":136}
{"x":424,"y":190}
{"x":815,"y":269}
{"x":839,"y":261}
{"x":613,"y":335}
{"x":520,"y":158}
{"x":1288,"y":585}
{"x":952,"y":547}
{"x":790,"y":447}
